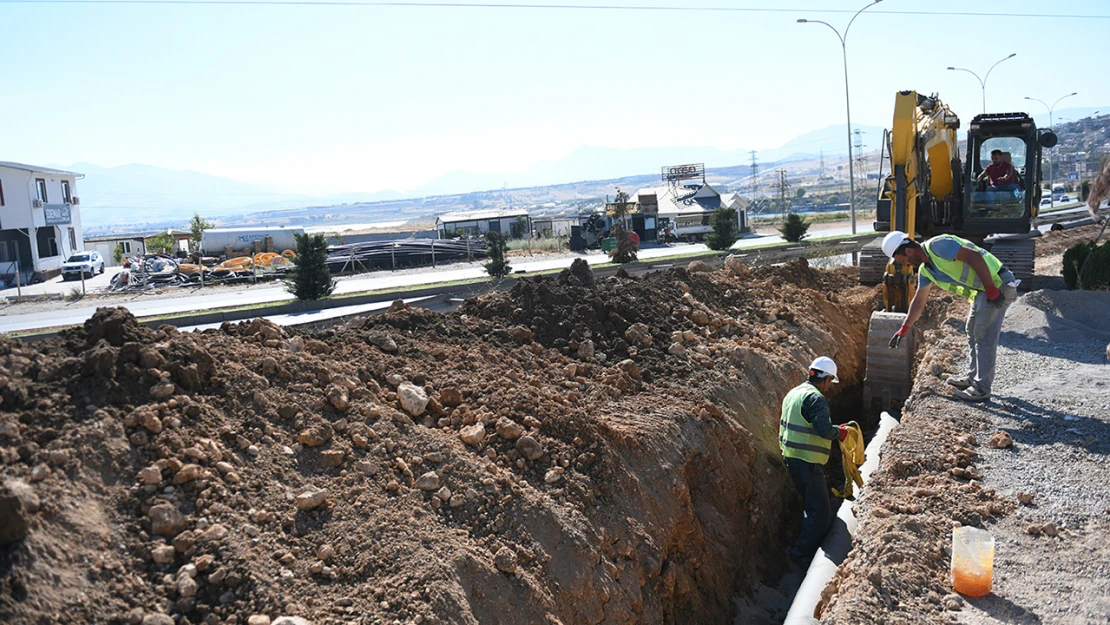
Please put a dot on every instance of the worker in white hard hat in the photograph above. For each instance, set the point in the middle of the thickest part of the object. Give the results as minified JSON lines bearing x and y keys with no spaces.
{"x":965,"y":269}
{"x":806,"y":434}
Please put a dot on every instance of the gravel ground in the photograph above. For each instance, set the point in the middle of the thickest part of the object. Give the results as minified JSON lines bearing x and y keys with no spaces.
{"x":1053,"y":399}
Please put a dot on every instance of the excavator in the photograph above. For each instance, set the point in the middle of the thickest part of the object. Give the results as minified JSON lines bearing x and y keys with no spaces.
{"x":930,"y":191}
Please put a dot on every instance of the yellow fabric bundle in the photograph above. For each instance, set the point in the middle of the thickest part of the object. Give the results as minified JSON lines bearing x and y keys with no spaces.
{"x":851,"y":457}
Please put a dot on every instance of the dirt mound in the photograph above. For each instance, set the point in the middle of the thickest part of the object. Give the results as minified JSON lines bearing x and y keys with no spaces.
{"x":572,"y":451}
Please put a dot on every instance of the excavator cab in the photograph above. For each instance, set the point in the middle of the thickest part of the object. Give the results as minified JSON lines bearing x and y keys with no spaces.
{"x":1012,"y":143}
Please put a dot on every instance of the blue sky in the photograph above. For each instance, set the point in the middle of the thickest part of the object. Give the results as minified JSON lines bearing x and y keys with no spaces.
{"x":328,"y":99}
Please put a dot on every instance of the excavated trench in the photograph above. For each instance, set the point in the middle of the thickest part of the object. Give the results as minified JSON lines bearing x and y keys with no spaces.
{"x":574,"y":450}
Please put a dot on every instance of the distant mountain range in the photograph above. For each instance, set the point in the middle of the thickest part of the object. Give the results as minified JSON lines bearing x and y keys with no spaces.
{"x":141,"y":196}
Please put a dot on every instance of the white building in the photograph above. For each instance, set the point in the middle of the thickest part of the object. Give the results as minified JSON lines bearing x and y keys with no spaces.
{"x":40,"y":222}
{"x":687,"y":207}
{"x":480,"y":222}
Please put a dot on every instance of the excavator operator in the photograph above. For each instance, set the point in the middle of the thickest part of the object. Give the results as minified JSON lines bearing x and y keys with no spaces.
{"x":1002,"y":175}
{"x":967,"y":270}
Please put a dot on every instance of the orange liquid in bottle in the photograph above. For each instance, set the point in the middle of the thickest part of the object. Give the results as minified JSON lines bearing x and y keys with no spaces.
{"x":970,"y":584}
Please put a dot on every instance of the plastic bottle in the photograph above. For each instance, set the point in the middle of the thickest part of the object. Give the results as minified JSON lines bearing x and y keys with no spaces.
{"x":972,"y":561}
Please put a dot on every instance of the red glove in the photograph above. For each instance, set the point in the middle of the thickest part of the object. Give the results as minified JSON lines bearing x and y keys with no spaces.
{"x":841,"y":432}
{"x":897,"y":338}
{"x":992,"y":292}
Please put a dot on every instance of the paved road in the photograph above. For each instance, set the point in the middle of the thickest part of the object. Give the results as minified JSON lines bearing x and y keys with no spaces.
{"x":195,"y":299}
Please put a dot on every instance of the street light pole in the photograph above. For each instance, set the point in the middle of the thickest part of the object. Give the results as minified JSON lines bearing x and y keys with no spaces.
{"x":847,"y":104}
{"x":983,"y":81}
{"x":1052,"y":163}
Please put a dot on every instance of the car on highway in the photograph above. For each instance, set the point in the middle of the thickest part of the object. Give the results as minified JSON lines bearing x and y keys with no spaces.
{"x":1046,"y":202}
{"x":81,"y":264}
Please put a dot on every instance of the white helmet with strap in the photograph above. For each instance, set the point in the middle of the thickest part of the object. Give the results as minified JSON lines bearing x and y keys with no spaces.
{"x":824,"y":365}
{"x":893,"y":241}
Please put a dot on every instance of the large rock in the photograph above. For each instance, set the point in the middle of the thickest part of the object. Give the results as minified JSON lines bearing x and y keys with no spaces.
{"x":508,"y":429}
{"x":13,"y":524}
{"x":291,"y":620}
{"x":429,"y":481}
{"x":413,"y":398}
{"x":311,"y":498}
{"x":529,"y":447}
{"x":473,"y":434}
{"x":166,"y":520}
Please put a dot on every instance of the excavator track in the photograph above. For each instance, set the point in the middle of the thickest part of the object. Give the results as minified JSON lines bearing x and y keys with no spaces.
{"x":872,"y":263}
{"x":887,"y":380}
{"x":1017,"y":255}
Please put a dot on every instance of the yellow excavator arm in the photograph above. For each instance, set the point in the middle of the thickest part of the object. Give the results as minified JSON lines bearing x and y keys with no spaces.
{"x":923,"y":148}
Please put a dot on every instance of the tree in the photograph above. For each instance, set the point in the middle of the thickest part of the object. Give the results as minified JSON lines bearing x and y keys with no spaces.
{"x":800,"y":193}
{"x":161,"y":243}
{"x":724,"y":229}
{"x":794,"y":228}
{"x":496,"y":244}
{"x":625,"y":250}
{"x":310,"y":279}
{"x":520,"y":228}
{"x":117,"y":253}
{"x":197,"y":226}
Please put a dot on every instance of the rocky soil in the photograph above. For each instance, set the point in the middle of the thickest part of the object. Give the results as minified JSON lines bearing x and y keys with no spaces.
{"x":576,"y":450}
{"x":1030,"y":467}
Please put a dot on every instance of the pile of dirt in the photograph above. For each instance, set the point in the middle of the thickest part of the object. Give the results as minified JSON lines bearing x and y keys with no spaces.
{"x":577,"y":450}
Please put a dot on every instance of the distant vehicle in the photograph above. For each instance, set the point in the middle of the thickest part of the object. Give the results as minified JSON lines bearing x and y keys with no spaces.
{"x":1065,"y":198}
{"x":82,"y":264}
{"x":1046,"y":202}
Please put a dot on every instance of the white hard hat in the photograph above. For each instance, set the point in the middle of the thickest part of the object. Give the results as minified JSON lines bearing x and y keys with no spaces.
{"x":893,"y":241}
{"x":824,"y":364}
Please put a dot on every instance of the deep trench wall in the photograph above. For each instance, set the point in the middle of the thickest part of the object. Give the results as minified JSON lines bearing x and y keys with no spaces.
{"x":672,"y":499}
{"x":703,"y":507}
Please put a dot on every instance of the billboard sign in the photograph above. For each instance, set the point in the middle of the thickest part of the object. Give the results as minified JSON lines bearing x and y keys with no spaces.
{"x":684,"y":172}
{"x":56,"y":214}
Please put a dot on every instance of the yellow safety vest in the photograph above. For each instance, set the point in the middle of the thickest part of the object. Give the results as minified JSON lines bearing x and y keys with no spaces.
{"x":964,"y":281}
{"x":797,"y":438}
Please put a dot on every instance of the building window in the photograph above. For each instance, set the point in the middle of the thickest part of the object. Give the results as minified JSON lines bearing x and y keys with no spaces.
{"x":7,"y":251}
{"x":72,"y":239}
{"x":126,"y":245}
{"x":1,"y":192}
{"x":41,"y":184}
{"x":65,"y":192}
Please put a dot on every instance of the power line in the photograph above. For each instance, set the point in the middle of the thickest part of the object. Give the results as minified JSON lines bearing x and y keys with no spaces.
{"x":576,"y":7}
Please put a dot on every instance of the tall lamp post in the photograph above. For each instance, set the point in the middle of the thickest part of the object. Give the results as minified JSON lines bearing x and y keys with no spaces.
{"x":983,"y":81}
{"x":1052,"y":163}
{"x":847,"y":103}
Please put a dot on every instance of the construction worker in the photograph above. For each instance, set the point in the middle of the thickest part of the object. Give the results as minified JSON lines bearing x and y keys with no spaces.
{"x":965,"y":269}
{"x":806,"y":434}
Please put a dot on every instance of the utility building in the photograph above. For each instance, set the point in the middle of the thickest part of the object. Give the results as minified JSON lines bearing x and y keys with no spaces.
{"x":40,"y":221}
{"x":514,"y":223}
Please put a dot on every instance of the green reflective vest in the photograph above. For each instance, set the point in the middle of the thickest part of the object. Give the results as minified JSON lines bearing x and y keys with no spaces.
{"x":963,"y":280}
{"x":797,"y":438}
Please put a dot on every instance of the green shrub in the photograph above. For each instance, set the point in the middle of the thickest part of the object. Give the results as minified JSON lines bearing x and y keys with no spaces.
{"x":496,"y":244}
{"x":310,"y":279}
{"x":795,"y":228}
{"x":1096,"y":271}
{"x":724,"y":229}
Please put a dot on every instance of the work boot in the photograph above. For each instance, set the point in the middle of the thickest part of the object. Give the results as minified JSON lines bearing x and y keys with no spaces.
{"x":960,"y":383}
{"x":972,"y":393}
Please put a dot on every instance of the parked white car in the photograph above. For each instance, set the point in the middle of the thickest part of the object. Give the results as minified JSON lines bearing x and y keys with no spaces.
{"x":87,"y":263}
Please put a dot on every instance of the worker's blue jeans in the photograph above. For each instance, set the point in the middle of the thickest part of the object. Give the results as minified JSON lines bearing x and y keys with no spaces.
{"x":984,"y":324}
{"x":809,"y":479}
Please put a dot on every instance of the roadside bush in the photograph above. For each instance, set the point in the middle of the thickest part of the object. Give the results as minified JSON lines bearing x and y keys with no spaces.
{"x":496,"y":244}
{"x":1096,"y":273}
{"x":724,"y":229}
{"x":795,"y":228}
{"x":310,"y":279}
